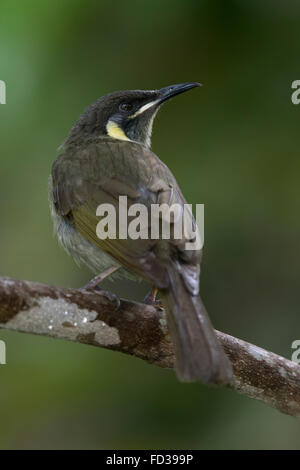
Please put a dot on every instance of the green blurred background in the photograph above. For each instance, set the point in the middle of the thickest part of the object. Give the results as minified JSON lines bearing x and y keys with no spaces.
{"x":233,"y":145}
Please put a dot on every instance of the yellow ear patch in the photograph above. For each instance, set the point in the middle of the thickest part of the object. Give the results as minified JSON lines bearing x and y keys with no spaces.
{"x":113,"y":130}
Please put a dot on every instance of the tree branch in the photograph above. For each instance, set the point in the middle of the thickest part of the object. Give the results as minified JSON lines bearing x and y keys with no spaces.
{"x":139,"y":330}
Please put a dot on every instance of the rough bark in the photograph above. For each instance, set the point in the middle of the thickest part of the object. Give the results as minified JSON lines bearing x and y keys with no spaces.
{"x":139,"y":330}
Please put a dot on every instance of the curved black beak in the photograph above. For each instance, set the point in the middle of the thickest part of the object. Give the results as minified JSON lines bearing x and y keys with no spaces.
{"x":168,"y":92}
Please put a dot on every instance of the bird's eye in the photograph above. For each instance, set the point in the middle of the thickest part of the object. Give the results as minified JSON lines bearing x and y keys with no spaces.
{"x":125,"y":107}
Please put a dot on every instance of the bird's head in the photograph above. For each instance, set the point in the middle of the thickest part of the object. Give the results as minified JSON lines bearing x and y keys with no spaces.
{"x":125,"y":115}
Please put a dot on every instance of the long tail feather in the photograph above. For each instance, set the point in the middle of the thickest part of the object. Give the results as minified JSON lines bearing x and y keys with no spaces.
{"x":199,"y":355}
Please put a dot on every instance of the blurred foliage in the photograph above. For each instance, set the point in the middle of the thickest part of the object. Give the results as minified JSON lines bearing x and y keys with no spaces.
{"x":233,"y":145}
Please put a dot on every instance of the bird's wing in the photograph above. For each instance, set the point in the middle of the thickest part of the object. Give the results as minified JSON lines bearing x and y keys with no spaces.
{"x":100,"y":171}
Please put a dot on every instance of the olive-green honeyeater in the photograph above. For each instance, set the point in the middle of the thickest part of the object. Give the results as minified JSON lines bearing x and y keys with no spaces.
{"x":107,"y":155}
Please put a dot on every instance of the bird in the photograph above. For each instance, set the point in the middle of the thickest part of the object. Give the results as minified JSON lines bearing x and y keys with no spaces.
{"x":106,"y":155}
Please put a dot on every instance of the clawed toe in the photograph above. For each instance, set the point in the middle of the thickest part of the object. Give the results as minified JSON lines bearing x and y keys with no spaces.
{"x":113,"y":298}
{"x":150,"y":299}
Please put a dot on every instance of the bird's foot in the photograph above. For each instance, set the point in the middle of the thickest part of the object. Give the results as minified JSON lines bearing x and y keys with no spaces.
{"x":151,"y":299}
{"x":113,"y":298}
{"x":93,"y":286}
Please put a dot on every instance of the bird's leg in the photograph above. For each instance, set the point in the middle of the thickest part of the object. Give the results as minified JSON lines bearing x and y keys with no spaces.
{"x":94,"y":283}
{"x":150,"y":298}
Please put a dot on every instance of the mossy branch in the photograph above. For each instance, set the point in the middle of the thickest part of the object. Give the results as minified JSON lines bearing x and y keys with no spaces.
{"x":139,"y":330}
